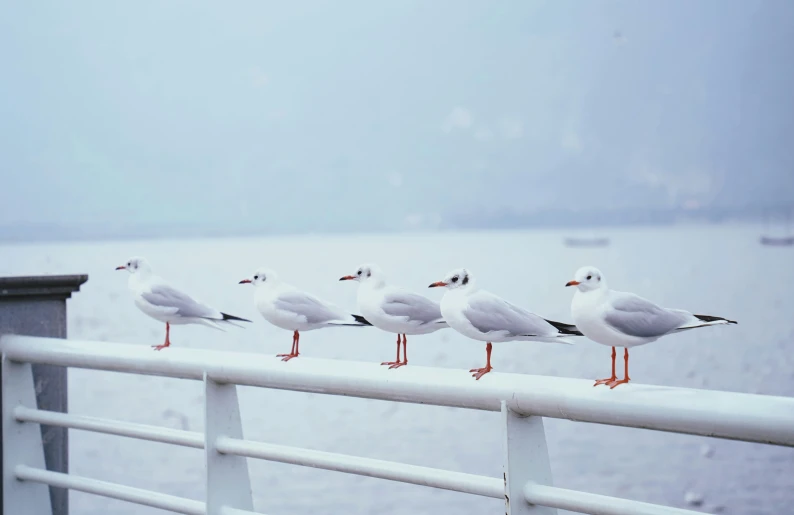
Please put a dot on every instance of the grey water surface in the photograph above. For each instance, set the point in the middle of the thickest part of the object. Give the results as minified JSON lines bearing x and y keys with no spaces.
{"x":714,"y":269}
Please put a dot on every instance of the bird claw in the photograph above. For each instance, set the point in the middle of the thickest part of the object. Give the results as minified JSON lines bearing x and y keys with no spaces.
{"x":616,"y":382}
{"x":283,"y":355}
{"x":479,"y":372}
{"x":607,"y":381}
{"x":287,"y":357}
{"x":391,"y":363}
{"x":397,"y":365}
{"x":160,"y":347}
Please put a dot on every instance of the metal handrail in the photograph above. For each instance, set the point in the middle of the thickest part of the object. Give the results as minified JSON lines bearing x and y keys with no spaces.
{"x":522,"y":399}
{"x":737,"y":416}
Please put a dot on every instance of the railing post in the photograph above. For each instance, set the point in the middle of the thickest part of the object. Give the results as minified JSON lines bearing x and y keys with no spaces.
{"x":526,"y":459}
{"x":228,"y":482}
{"x":36,"y":306}
{"x":22,"y":443}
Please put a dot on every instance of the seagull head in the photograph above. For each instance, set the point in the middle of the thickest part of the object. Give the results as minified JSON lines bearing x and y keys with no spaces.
{"x":136,"y":265}
{"x":588,"y":278}
{"x":460,"y":278}
{"x":262,"y":277}
{"x":366,"y":273}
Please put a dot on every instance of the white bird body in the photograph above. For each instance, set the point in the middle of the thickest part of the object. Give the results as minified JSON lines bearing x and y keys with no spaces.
{"x":287,"y":307}
{"x":153,"y":286}
{"x":481,"y":315}
{"x":161,"y":301}
{"x":621,"y":319}
{"x":394,"y":309}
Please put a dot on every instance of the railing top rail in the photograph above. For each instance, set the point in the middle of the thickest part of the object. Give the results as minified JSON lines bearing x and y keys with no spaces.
{"x":738,"y":416}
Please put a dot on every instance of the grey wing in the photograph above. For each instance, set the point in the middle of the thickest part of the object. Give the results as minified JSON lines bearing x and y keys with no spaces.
{"x":313,"y":309}
{"x":168,"y":297}
{"x":635,"y":316}
{"x":414,"y":307}
{"x":492,"y":314}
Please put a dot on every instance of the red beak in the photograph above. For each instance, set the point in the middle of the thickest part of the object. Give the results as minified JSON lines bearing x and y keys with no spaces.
{"x":437,"y":284}
{"x":122,"y":267}
{"x":347,"y":278}
{"x":245,"y":281}
{"x":572,"y":283}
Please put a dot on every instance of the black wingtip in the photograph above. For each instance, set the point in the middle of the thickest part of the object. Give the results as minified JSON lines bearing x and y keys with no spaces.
{"x":565,"y":328}
{"x":227,"y":316}
{"x":709,"y":318}
{"x":361,"y":320}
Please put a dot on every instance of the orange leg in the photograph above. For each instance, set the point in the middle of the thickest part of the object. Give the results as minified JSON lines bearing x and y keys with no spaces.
{"x":479,"y":372}
{"x":614,"y":377}
{"x":294,"y":352}
{"x":397,"y":363}
{"x":167,"y":338}
{"x":625,"y":372}
{"x":405,"y":353}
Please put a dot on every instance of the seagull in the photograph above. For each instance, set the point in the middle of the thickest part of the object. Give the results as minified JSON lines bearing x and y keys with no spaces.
{"x":165,"y":303}
{"x":286,"y":307}
{"x":393,"y":309}
{"x":621,"y":319}
{"x":483,"y":316}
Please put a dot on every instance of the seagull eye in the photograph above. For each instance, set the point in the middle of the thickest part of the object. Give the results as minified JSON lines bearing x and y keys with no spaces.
{"x":589,"y":277}
{"x":256,"y":277}
{"x":455,"y":279}
{"x":358,"y":273}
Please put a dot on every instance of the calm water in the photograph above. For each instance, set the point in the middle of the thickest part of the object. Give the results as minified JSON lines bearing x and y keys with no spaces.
{"x":718,"y":270}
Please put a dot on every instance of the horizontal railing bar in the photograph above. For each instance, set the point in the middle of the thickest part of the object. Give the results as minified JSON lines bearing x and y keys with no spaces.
{"x":404,"y":473}
{"x":112,"y":427}
{"x":736,"y":416}
{"x":594,"y":504}
{"x":111,"y":490}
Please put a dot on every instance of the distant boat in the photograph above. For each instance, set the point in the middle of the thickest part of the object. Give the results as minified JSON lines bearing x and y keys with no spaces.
{"x":586,"y":242}
{"x":780,"y":241}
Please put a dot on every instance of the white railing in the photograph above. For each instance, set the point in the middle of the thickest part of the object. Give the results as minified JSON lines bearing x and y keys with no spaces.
{"x":523,"y":401}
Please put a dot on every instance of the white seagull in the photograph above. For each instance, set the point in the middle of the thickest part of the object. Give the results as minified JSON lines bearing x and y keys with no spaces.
{"x":394,"y":309}
{"x":286,"y":307}
{"x":483,"y":316}
{"x":165,"y":303}
{"x":621,"y":319}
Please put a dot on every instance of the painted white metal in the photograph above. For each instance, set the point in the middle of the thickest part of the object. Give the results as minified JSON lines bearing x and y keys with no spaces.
{"x":228,"y":482}
{"x":522,"y":399}
{"x":111,"y":427}
{"x":747,"y":417}
{"x":414,"y":474}
{"x":593,"y":504}
{"x":234,"y":511}
{"x":38,"y":476}
{"x":526,"y":458}
{"x":22,"y":444}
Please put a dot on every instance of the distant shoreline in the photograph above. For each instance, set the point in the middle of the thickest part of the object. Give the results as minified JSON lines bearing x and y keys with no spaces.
{"x":575,"y":222}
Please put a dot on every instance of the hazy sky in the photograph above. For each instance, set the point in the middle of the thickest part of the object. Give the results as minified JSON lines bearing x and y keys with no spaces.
{"x":353,"y":114}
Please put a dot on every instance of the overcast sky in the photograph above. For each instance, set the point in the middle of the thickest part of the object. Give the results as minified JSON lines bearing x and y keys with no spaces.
{"x":356,"y":114}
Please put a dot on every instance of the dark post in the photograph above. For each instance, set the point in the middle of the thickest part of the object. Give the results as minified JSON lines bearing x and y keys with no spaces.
{"x":36,"y":306}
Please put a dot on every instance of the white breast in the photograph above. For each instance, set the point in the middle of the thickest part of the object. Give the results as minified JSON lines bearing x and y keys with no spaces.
{"x":453,"y":304}
{"x":588,"y":312}
{"x":264,"y":299}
